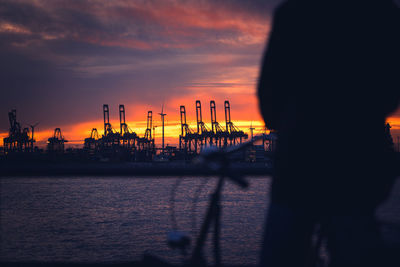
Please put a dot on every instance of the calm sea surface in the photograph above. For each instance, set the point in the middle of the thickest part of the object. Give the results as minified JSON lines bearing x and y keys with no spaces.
{"x":118,"y":219}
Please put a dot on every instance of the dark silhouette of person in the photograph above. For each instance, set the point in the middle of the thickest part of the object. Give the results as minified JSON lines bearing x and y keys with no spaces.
{"x":329,"y":78}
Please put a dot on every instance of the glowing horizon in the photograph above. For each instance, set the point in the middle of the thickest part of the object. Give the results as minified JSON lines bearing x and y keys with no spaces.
{"x":75,"y":134}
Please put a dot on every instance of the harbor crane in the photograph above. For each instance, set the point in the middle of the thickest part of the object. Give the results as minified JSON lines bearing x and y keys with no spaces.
{"x":127,"y":136}
{"x":110,"y":137}
{"x":220,"y":137}
{"x":234,"y":134}
{"x":205,"y":134}
{"x":91,"y":144}
{"x":188,"y":138}
{"x":18,"y":139}
{"x":146,"y":144}
{"x":55,"y":144}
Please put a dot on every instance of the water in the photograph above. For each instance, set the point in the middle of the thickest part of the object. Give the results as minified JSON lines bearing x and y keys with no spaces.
{"x":118,"y":219}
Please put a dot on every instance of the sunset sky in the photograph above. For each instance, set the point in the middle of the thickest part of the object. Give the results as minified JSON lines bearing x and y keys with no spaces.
{"x":62,"y":60}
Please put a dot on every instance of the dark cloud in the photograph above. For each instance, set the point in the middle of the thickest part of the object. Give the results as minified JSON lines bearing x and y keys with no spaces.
{"x":61,"y":60}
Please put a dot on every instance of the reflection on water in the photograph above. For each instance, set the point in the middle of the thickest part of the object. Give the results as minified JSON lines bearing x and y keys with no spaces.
{"x":119,"y":219}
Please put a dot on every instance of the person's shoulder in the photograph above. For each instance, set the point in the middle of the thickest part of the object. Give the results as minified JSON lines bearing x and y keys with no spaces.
{"x":395,"y":10}
{"x":297,"y":8}
{"x":286,"y":11}
{"x":286,"y":7}
{"x":395,"y":5}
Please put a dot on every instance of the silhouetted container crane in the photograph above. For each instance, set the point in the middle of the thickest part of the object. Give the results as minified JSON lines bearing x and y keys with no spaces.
{"x":18,"y":140}
{"x":234,"y":134}
{"x":127,"y":136}
{"x":113,"y":144}
{"x":110,"y":139}
{"x":205,"y":134}
{"x":55,"y":144}
{"x":188,"y":138}
{"x":92,"y":143}
{"x":220,"y":137}
{"x":145,"y":145}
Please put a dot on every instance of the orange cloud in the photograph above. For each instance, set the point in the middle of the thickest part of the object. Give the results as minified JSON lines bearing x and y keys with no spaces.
{"x":6,"y":27}
{"x":149,"y":25}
